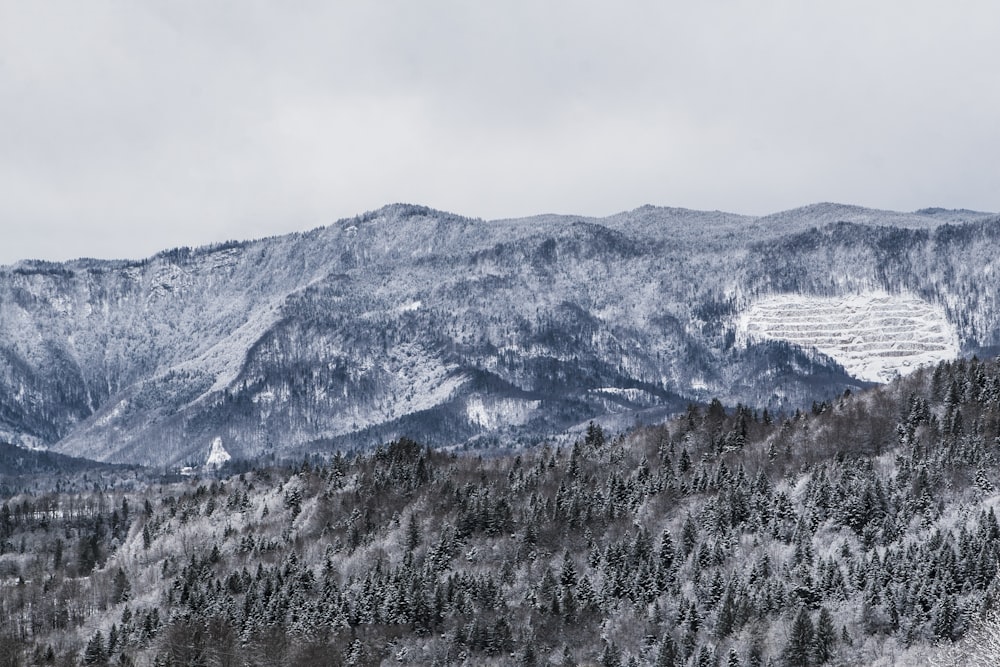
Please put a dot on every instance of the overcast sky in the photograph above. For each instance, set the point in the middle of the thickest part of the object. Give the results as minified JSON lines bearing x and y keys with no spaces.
{"x":131,"y":126}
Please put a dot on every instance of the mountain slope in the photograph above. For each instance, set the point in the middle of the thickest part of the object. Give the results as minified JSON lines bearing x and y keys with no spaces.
{"x":409,"y":321}
{"x":862,"y":532}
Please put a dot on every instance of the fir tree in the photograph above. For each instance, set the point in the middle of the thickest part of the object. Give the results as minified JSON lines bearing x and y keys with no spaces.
{"x":95,"y":654}
{"x":612,"y":655}
{"x":798,"y":651}
{"x":667,"y":655}
{"x":825,"y":637}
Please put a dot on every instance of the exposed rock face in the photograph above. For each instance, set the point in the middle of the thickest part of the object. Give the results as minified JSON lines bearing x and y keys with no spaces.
{"x":874,"y":336}
{"x":217,"y":456}
{"x":409,"y":321}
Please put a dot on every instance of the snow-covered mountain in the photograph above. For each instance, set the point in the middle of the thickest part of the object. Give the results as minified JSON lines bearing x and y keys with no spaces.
{"x":411,"y":321}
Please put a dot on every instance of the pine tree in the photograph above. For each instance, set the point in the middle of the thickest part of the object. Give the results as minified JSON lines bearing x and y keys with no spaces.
{"x":799,"y":650}
{"x":612,"y":656}
{"x":825,"y":638}
{"x":412,"y":533}
{"x":568,"y":575}
{"x":595,"y":436}
{"x":122,"y":587}
{"x":726,"y":620}
{"x":94,"y":654}
{"x":945,"y":618}
{"x":689,"y":535}
{"x":668,"y":653}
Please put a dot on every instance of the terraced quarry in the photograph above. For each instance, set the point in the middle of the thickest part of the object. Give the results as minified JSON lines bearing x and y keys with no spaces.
{"x":873,"y":336}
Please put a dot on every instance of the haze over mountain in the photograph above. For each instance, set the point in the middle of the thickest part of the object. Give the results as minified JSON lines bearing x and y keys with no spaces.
{"x":410,"y":321}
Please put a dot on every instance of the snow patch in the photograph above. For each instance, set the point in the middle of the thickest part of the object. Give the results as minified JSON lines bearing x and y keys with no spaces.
{"x":217,"y":456}
{"x":874,"y":336}
{"x":112,"y":414}
{"x":495,"y":413}
{"x":630,"y":394}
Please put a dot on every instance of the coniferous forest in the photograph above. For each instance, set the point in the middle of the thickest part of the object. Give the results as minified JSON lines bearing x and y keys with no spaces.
{"x":862,"y":531}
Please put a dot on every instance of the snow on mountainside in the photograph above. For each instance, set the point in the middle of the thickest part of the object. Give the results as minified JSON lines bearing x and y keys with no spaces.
{"x":873,"y":336}
{"x":410,"y":321}
{"x":218,"y":455}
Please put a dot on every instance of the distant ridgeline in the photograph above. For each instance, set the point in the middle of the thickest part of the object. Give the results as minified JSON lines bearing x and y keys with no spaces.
{"x":860,"y":532}
{"x":412,"y":322}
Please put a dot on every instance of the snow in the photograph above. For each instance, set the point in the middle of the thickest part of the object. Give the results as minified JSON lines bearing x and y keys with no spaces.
{"x":628,"y":393}
{"x":496,"y":413}
{"x":217,"y":456}
{"x":113,"y":414}
{"x":873,"y":335}
{"x":149,"y":348}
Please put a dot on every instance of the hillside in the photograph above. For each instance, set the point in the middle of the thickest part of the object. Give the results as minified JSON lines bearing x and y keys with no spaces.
{"x":863,"y":531}
{"x":19,"y":462}
{"x":412,"y":322}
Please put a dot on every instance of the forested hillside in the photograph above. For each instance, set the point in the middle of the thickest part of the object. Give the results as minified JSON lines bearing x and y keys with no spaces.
{"x":863,"y":531}
{"x":412,"y":322}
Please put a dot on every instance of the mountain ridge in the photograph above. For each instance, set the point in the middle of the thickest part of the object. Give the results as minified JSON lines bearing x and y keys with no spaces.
{"x":377,"y":326}
{"x":818,"y":213}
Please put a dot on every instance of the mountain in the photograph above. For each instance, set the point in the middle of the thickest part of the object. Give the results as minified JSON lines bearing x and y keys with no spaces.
{"x":410,"y":321}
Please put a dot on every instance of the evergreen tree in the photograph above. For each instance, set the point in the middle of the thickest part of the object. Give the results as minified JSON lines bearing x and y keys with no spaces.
{"x":95,"y":654}
{"x":726,"y":619}
{"x":798,"y":652}
{"x":568,"y":575}
{"x":945,"y":618}
{"x":689,"y":535}
{"x":412,"y":533}
{"x":668,"y":654}
{"x":825,"y":637}
{"x":595,"y":436}
{"x":612,"y":655}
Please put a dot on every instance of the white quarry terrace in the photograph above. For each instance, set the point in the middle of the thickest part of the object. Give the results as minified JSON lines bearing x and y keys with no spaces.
{"x":874,"y":336}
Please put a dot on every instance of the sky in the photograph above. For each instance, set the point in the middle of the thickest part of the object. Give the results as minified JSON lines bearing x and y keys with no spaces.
{"x":131,"y":126}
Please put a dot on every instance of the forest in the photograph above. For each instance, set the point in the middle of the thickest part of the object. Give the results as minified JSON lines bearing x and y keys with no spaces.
{"x":860,"y":531}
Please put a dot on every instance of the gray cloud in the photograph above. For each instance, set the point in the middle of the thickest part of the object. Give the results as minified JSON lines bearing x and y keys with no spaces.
{"x":127,"y":127}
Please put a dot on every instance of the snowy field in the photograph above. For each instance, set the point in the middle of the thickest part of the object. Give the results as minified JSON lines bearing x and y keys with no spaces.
{"x":873,"y":336}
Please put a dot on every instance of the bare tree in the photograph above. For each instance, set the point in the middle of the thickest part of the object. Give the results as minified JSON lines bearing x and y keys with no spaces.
{"x":979,"y":648}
